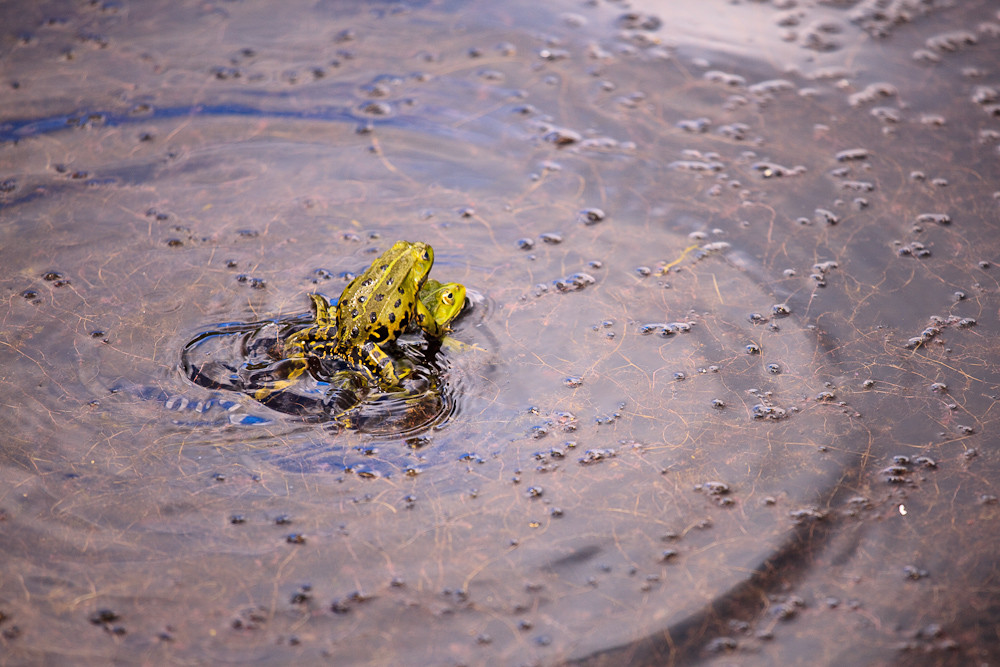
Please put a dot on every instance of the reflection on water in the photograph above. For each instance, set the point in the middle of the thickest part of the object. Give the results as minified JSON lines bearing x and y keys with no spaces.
{"x":726,"y":393}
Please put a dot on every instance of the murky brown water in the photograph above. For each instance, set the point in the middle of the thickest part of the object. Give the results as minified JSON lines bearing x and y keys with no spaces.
{"x":783,"y":450}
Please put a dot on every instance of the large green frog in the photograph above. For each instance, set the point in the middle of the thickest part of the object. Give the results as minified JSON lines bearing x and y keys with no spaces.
{"x":375,"y":308}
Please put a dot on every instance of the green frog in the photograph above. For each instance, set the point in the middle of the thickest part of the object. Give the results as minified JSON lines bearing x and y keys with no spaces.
{"x":444,"y":300}
{"x":374,"y":308}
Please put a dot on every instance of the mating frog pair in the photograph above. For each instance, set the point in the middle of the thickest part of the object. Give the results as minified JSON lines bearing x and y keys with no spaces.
{"x":375,"y":308}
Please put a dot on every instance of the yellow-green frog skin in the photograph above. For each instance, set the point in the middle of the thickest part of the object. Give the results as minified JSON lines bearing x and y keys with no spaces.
{"x":374,"y":308}
{"x":444,"y":300}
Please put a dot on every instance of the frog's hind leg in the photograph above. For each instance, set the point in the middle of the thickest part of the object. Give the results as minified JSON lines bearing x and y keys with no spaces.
{"x":381,"y":366}
{"x":317,"y":341}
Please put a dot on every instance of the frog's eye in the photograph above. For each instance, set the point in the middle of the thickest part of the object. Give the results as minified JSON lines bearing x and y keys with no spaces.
{"x":426,"y":256}
{"x":448,"y":298}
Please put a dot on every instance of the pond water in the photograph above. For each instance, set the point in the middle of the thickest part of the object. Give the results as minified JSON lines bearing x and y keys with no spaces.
{"x":724,"y":391}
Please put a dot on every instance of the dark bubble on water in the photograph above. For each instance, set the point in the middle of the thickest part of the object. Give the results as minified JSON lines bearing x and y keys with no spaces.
{"x":56,"y":278}
{"x":806,"y":515}
{"x":774,"y":170}
{"x":638,"y":21}
{"x":492,"y":75}
{"x":872,"y":92}
{"x":857,"y":186}
{"x":94,"y":39}
{"x":853,"y":154}
{"x":376,"y":108}
{"x":734,"y":131}
{"x":106,"y":618}
{"x":592,"y":216}
{"x":574,"y":282}
{"x":713,"y":488}
{"x":915,"y":573}
{"x":727,"y":79}
{"x":781,"y":310}
{"x":695,"y":126}
{"x":984,"y":95}
{"x":761,"y":411}
{"x":697,"y":166}
{"x":824,"y":216}
{"x":303,"y":595}
{"x":553,"y":55}
{"x":561,"y":136}
{"x":592,"y":456}
{"x":887,"y":115}
{"x":665,"y":329}
{"x":225,"y":72}
{"x":913,"y":249}
{"x":951,"y":41}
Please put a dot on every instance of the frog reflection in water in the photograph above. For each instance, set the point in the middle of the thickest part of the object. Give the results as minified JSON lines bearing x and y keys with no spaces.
{"x":375,"y":308}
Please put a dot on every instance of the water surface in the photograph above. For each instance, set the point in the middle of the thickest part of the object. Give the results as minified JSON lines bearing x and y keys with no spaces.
{"x":728,"y":384}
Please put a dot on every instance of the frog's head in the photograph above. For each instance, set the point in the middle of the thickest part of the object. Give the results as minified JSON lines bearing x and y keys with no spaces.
{"x":423,"y":260}
{"x":447,"y":302}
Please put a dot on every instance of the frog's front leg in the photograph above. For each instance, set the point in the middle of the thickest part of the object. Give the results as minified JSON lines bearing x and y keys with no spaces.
{"x":425,"y":320}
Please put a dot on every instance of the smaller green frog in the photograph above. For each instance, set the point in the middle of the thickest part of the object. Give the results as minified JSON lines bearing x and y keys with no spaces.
{"x":444,"y":300}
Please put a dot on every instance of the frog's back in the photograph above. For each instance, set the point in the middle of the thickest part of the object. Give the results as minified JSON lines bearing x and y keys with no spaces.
{"x":378,"y":305}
